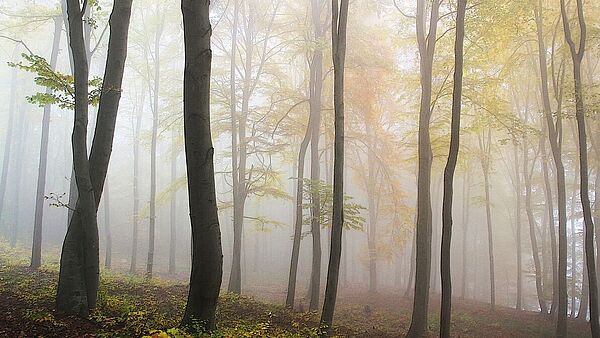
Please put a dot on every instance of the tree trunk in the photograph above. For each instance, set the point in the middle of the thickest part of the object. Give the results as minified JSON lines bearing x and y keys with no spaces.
{"x":486,"y":148}
{"x":447,"y":219}
{"x":316,"y":87}
{"x":79,"y":267}
{"x":153,"y":145}
{"x":573,"y":251}
{"x":426,"y":42}
{"x":173,"y":211}
{"x":519,"y":304}
{"x":9,"y":131}
{"x":466,"y":195}
{"x":553,"y":135}
{"x":577,"y":56}
{"x":551,"y":227}
{"x":338,"y":39}
{"x":527,"y":172}
{"x":79,"y":262}
{"x":207,"y":254}
{"x":36,"y":250}
{"x":136,"y":190}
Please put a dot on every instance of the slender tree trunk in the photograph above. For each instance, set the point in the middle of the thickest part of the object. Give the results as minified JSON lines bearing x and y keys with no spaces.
{"x":485,"y":166}
{"x":316,"y":86}
{"x":153,"y":154}
{"x":36,"y":250}
{"x":426,"y":42}
{"x":207,"y":254}
{"x":466,"y":195}
{"x":411,"y":274}
{"x":554,"y":136}
{"x":573,"y":251}
{"x":291,"y":290}
{"x":577,"y":57}
{"x":447,"y":219}
{"x":551,"y":227}
{"x":173,"y":211}
{"x":9,"y":131}
{"x":136,"y":190}
{"x":235,"y":267}
{"x":527,"y":172}
{"x":338,"y":39}
{"x":519,"y":235}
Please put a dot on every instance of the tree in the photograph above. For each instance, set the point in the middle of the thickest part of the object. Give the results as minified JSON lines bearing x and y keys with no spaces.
{"x":36,"y":250}
{"x":207,"y":255}
{"x":577,"y":57}
{"x":426,"y":42}
{"x":79,"y":264}
{"x":446,"y":306}
{"x":339,"y":21}
{"x":555,"y":137}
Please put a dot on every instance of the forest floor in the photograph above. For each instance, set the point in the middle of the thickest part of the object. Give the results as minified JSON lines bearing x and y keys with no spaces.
{"x":131,"y":306}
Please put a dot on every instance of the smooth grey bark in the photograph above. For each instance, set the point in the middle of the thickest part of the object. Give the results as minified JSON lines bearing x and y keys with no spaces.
{"x":79,"y":267}
{"x":554,"y":135}
{"x":36,"y":250}
{"x":173,"y":208}
{"x":9,"y":131}
{"x":207,"y":254}
{"x":577,"y":54}
{"x":79,"y":262}
{"x":426,"y":42}
{"x":339,"y":22}
{"x":447,"y":219}
{"x":153,"y":145}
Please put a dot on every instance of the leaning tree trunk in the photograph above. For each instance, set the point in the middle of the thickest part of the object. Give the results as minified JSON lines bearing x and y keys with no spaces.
{"x":577,"y":57}
{"x":445,"y":312}
{"x":207,"y":254}
{"x":36,"y":250}
{"x":79,"y":267}
{"x":338,"y":38}
{"x":426,"y":42}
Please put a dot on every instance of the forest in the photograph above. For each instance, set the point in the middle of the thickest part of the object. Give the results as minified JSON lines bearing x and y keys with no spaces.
{"x":299,"y":168}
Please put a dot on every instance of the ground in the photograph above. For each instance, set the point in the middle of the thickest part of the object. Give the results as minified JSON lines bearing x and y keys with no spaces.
{"x":131,"y":306}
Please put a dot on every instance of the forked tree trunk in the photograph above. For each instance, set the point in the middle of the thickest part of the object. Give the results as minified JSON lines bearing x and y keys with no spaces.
{"x":426,"y":42}
{"x":79,"y":266}
{"x":207,"y":254}
{"x":554,"y":137}
{"x":577,"y":57}
{"x":339,"y":21}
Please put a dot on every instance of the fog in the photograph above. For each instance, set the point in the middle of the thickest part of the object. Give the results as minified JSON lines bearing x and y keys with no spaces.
{"x":263,"y":108}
